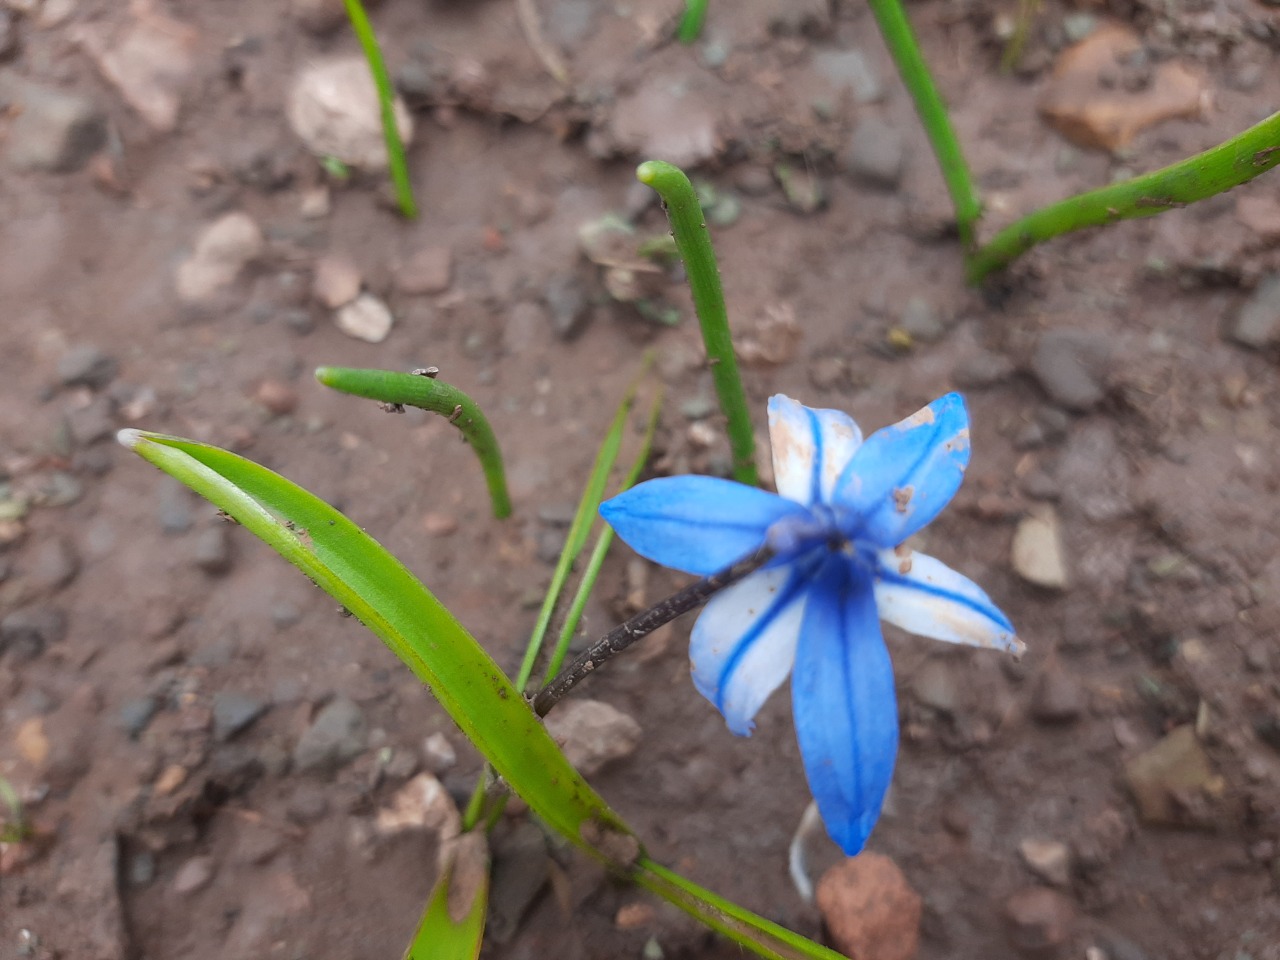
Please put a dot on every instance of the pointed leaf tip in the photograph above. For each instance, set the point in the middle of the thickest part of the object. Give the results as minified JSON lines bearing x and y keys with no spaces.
{"x":129,"y":437}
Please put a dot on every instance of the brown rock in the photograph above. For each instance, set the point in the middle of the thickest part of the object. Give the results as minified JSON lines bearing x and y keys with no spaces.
{"x":593,"y":733}
{"x":336,"y":282}
{"x":1170,"y":779}
{"x":1059,"y":697}
{"x":1040,"y":920}
{"x":1102,"y":93}
{"x":869,"y":909}
{"x":277,"y":396}
{"x":430,"y":270}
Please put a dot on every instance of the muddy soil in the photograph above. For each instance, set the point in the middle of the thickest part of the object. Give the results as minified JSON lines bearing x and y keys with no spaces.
{"x":161,"y":672}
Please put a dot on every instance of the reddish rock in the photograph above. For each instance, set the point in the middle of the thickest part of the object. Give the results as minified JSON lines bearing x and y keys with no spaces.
{"x":869,"y":909}
{"x":1040,"y":921}
{"x":430,"y":270}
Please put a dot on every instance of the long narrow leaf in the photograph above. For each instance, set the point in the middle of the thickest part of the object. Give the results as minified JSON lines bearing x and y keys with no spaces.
{"x":368,"y":581}
{"x":440,"y":934}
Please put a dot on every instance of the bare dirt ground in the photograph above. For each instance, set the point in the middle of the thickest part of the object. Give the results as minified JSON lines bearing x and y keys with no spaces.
{"x":161,"y":674}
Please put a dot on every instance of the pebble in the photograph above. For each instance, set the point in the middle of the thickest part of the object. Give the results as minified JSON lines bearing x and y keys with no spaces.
{"x":365,"y":318}
{"x":277,"y":397}
{"x":319,"y":16}
{"x":52,"y":130}
{"x":52,"y":565}
{"x":877,"y":154}
{"x":1162,"y":777}
{"x":211,"y":550}
{"x":429,"y":270}
{"x":141,"y":869}
{"x":936,"y":685}
{"x":850,"y":70}
{"x":593,"y":734}
{"x":1058,"y":696}
{"x":438,"y":753}
{"x":135,"y":714}
{"x":174,"y":507}
{"x":336,"y":281}
{"x":981,"y":370}
{"x":193,"y":876}
{"x":223,"y":249}
{"x":234,"y":712}
{"x":421,"y":804}
{"x":1257,"y":325}
{"x":1050,"y":860}
{"x":8,"y":35}
{"x":26,"y":633}
{"x":525,"y":328}
{"x":920,"y":319}
{"x":92,"y":423}
{"x":336,"y":737}
{"x":151,"y":62}
{"x":1088,"y":100}
{"x":333,"y":108}
{"x":870,"y":909}
{"x":85,"y":365}
{"x":521,"y":867}
{"x":1040,"y":920}
{"x":570,"y":307}
{"x":1037,"y":554}
{"x":661,"y":120}
{"x":1095,"y":475}
{"x":1072,"y":367}
{"x":440,"y":524}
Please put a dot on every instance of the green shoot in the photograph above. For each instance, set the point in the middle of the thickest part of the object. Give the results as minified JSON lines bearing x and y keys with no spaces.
{"x":695,"y":12}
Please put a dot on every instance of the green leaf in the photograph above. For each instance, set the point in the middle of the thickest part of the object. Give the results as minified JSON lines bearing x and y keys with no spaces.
{"x":452,"y":925}
{"x":373,"y":585}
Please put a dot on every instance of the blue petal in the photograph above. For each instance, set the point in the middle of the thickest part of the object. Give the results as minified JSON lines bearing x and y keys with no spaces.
{"x":843,"y":699}
{"x":904,"y":475}
{"x":810,"y":449}
{"x":695,"y":524}
{"x":925,"y":596}
{"x":744,"y":642}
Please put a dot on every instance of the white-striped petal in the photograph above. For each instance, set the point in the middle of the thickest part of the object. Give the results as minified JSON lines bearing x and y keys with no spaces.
{"x":810,"y":449}
{"x":744,"y":642}
{"x":924,"y":596}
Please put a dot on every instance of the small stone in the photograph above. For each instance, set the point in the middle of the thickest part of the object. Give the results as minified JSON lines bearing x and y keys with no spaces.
{"x":277,"y":397}
{"x":1040,"y":920}
{"x":211,"y":551}
{"x":429,"y":270}
{"x":26,"y":633}
{"x":804,"y":191}
{"x":319,"y":16}
{"x":570,"y":307}
{"x":336,"y":282}
{"x":870,"y":909}
{"x":336,"y":737}
{"x":593,"y":734}
{"x":1169,"y":777}
{"x":1037,"y":553}
{"x":937,"y":686}
{"x":92,"y":423}
{"x":421,"y":804}
{"x":225,"y":248}
{"x":660,"y":119}
{"x":850,"y":70}
{"x":8,"y":35}
{"x":521,"y":867}
{"x":877,"y":154}
{"x":52,"y":130}
{"x":1049,"y":860}
{"x":285,"y":614}
{"x":920,"y":319}
{"x":829,"y":373}
{"x":142,"y":868}
{"x":1095,"y":474}
{"x":170,"y":779}
{"x":174,"y":506}
{"x":440,"y":524}
{"x":234,"y":712}
{"x":1058,"y":697}
{"x":1257,"y":324}
{"x":981,"y":370}
{"x":438,"y":753}
{"x":526,"y":327}
{"x":333,"y":107}
{"x":135,"y":714}
{"x":193,"y":876}
{"x":53,"y":565}
{"x":86,"y":366}
{"x":366,"y":318}
{"x":1072,"y":367}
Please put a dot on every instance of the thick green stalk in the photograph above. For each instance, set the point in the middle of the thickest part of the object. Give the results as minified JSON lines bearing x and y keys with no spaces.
{"x":689,"y":227}
{"x":430,"y":394}
{"x":386,"y":101}
{"x":1216,"y":170}
{"x":695,"y":12}
{"x":901,"y":41}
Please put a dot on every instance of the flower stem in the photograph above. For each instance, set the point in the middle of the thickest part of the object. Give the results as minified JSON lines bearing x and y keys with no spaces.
{"x":689,"y":227}
{"x":695,"y":12}
{"x":645,"y":622}
{"x":901,"y":41}
{"x":386,"y":101}
{"x":1214,"y":171}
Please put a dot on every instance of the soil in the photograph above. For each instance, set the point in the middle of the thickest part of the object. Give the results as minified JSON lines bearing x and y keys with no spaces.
{"x":158,"y":667}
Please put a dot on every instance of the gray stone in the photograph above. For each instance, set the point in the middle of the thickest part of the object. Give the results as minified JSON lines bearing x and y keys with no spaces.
{"x":234,"y":712}
{"x":285,"y":614}
{"x":93,"y":422}
{"x":193,"y":876}
{"x":981,"y":370}
{"x":25,"y":633}
{"x":53,"y":565}
{"x":569,"y":21}
{"x":936,"y":685}
{"x":920,"y":319}
{"x":336,"y":737}
{"x":1095,"y":475}
{"x":877,"y":154}
{"x":211,"y":551}
{"x":1258,"y":323}
{"x":850,"y":70}
{"x":593,"y":733}
{"x":53,"y":131}
{"x":86,"y":366}
{"x":527,"y":324}
{"x":521,"y":867}
{"x":223,"y":249}
{"x":1041,"y":920}
{"x":135,"y":714}
{"x":570,"y":306}
{"x":174,"y":506}
{"x":438,"y":753}
{"x":319,"y":16}
{"x":1072,"y":367}
{"x":141,"y":868}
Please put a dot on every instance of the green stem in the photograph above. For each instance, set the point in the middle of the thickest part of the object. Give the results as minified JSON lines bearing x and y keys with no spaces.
{"x":400,"y":389}
{"x":386,"y":101}
{"x":689,"y":227}
{"x":695,"y":12}
{"x":901,"y":41}
{"x":1216,"y":170}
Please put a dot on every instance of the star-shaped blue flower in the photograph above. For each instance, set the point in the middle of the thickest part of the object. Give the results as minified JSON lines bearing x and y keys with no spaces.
{"x":837,"y":526}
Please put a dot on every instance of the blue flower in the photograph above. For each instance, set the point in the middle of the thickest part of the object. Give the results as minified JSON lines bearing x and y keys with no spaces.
{"x":837,"y":528}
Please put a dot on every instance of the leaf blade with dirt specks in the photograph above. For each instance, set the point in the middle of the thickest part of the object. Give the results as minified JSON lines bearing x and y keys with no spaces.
{"x":442,"y":935}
